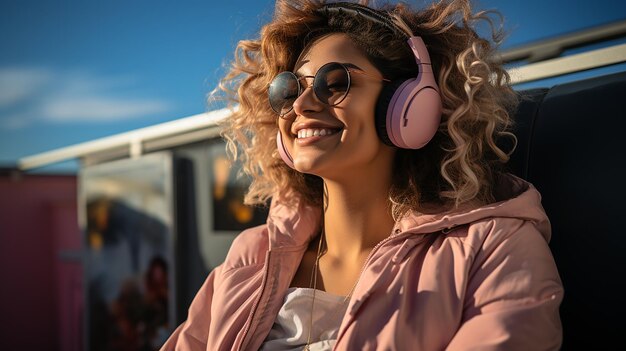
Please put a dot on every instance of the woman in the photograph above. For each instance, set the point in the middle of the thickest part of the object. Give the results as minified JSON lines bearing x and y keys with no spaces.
{"x":391,"y":225}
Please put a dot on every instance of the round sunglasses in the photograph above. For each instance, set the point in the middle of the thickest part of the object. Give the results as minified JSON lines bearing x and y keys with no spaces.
{"x":331,"y":85}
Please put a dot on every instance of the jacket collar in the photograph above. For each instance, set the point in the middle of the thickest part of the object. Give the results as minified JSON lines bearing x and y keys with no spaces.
{"x":291,"y":223}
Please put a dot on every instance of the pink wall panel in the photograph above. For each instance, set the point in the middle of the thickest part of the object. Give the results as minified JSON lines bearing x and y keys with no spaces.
{"x":41,"y":296}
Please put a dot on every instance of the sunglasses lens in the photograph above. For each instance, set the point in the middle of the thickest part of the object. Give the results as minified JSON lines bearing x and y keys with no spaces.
{"x":283,"y":92}
{"x":331,"y":83}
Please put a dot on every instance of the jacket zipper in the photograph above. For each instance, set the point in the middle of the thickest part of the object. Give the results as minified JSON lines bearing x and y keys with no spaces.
{"x":397,"y":235}
{"x":384,"y":241}
{"x":256,"y":302}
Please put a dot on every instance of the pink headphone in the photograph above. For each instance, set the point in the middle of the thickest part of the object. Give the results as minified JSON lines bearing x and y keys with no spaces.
{"x":408,"y":112}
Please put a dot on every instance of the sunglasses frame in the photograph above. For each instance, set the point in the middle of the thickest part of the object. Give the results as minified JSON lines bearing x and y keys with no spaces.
{"x":346,"y":67}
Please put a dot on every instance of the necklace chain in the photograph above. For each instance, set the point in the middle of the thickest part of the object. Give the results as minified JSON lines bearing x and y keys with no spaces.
{"x":314,"y":279}
{"x":313,"y":282}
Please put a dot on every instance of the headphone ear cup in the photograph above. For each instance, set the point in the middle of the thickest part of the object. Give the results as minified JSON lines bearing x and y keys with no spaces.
{"x":412,"y":115}
{"x":282,"y":151}
{"x":382,"y":105}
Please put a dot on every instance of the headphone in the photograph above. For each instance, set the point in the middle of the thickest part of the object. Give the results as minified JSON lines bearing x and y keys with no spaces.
{"x":408,"y":112}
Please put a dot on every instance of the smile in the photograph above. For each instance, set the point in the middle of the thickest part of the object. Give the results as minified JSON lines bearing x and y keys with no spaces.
{"x":315,"y":132}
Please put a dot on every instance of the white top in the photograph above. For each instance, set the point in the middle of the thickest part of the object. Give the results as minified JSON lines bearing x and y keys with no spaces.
{"x":291,"y":328}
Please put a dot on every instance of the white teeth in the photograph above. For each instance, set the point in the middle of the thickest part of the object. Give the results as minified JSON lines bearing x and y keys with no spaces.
{"x":307,"y":133}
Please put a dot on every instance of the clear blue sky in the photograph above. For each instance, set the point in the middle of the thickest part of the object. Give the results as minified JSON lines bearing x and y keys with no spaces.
{"x":74,"y":71}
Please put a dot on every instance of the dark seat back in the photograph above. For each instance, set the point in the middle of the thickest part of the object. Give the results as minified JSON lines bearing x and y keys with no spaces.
{"x":571,"y":147}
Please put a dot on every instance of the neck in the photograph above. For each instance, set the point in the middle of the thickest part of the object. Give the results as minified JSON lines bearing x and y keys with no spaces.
{"x":357,"y":215}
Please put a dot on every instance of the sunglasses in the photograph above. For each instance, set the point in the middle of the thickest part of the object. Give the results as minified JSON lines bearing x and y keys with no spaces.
{"x":331,"y":85}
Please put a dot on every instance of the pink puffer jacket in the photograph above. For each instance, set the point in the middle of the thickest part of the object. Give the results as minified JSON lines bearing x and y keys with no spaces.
{"x":482,"y":279}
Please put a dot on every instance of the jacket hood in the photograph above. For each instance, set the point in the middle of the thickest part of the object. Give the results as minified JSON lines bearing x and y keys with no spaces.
{"x":515,"y":198}
{"x":292,"y":223}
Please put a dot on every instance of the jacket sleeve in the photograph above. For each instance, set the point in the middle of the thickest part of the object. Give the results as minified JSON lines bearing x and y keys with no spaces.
{"x":192,"y":334}
{"x":513,"y":295}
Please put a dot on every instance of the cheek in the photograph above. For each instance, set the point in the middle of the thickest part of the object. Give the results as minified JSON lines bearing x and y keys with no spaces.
{"x":360,"y":115}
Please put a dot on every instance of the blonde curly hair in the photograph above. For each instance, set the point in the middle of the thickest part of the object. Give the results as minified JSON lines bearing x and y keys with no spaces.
{"x":460,"y":164}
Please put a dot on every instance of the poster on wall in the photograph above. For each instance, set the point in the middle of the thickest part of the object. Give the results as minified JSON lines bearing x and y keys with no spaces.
{"x":128,"y":233}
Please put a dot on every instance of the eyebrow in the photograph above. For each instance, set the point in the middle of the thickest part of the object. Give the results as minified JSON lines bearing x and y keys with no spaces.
{"x":347,"y":64}
{"x":351,"y":65}
{"x":299,"y":65}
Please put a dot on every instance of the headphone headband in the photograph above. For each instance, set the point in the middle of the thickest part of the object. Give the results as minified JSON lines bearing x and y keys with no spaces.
{"x":357,"y":10}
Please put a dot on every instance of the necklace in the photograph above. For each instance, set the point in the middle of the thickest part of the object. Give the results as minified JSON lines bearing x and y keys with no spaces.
{"x":313,"y":282}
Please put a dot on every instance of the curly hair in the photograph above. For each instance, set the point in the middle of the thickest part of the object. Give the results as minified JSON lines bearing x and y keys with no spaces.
{"x":460,"y":164}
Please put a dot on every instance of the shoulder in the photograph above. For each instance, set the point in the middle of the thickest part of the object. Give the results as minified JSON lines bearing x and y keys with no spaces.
{"x":511,"y":254}
{"x":489,"y":235}
{"x":495,"y":236}
{"x":248,"y":248}
{"x":504,"y":259}
{"x":483,"y":236}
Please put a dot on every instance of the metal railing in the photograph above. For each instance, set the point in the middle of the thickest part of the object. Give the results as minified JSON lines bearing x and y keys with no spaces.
{"x":543,"y":57}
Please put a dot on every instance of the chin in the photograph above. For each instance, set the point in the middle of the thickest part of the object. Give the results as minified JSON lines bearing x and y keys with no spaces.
{"x":318,"y":166}
{"x":306,"y":167}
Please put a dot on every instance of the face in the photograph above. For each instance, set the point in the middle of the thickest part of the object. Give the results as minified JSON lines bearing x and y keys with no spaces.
{"x":344,"y":140}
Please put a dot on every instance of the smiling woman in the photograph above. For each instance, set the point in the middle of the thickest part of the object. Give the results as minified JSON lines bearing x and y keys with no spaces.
{"x":392,"y":224}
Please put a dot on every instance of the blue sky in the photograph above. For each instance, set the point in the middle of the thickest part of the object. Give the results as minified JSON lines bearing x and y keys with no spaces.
{"x":75,"y":71}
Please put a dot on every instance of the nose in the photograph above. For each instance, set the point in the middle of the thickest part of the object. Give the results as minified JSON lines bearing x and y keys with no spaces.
{"x":307,"y":102}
